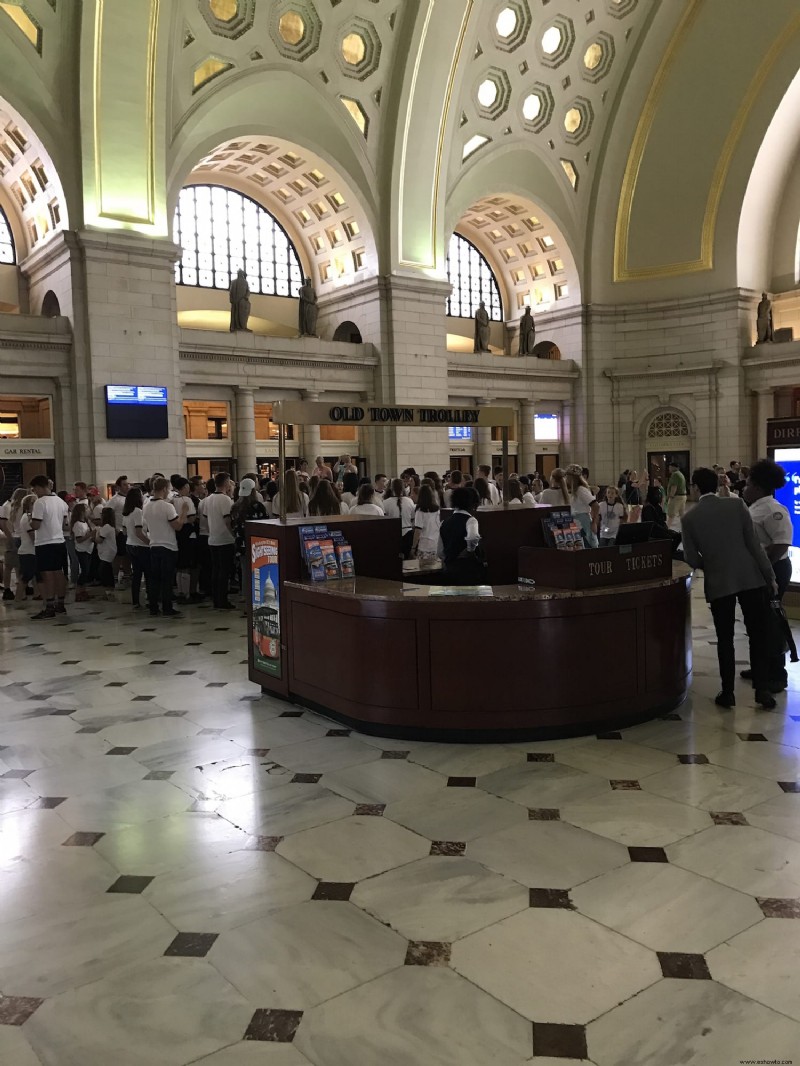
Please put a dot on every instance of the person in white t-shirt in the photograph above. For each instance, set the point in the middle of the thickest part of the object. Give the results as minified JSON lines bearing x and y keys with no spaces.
{"x":161,"y":522}
{"x":221,"y":542}
{"x":10,"y":513}
{"x":106,"y":537}
{"x":83,"y":538}
{"x":585,"y":508}
{"x":427,"y":522}
{"x":122,"y":564}
{"x":137,"y":543}
{"x":26,"y":551}
{"x":48,"y":517}
{"x":398,"y":505}
{"x":367,"y":502}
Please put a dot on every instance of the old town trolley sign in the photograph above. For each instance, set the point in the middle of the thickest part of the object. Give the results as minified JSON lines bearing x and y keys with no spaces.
{"x":301,"y":413}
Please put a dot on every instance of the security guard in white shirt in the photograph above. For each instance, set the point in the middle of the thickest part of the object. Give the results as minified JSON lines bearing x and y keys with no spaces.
{"x":773,"y":526}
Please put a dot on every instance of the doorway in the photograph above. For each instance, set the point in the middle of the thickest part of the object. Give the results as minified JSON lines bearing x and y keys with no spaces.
{"x":546,"y":464}
{"x":657,"y":463}
{"x":462,"y":463}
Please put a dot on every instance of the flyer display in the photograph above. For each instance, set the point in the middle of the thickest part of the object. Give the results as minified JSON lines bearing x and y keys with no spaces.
{"x":266,"y":632}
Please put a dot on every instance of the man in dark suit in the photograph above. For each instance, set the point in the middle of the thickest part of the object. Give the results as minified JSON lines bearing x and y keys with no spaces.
{"x":719,"y":537}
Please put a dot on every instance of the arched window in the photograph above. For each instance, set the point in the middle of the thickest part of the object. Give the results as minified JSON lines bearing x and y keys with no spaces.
{"x":668,"y":424}
{"x":472,"y":280}
{"x":222,"y":231}
{"x":7,"y":252}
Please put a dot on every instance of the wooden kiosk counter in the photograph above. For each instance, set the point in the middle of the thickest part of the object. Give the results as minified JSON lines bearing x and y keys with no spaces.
{"x":608,"y":647}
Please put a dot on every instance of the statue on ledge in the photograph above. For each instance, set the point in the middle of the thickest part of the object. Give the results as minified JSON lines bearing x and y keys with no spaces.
{"x":527,"y":333}
{"x":764,"y":326}
{"x":481,"y":329}
{"x":239,"y":295}
{"x":308,"y":309}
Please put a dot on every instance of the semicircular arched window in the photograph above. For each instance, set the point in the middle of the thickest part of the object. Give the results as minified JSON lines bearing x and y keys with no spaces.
{"x":472,"y":279}
{"x":222,"y":231}
{"x":668,"y":424}
{"x":8,"y":252}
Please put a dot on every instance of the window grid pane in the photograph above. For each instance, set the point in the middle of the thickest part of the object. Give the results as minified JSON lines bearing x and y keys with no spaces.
{"x":222,"y":231}
{"x":7,"y":253}
{"x":472,"y":280}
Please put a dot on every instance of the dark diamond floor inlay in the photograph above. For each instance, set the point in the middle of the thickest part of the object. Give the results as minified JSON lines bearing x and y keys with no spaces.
{"x":276,"y":1026}
{"x":130,"y":883}
{"x":306,"y":779}
{"x":395,"y":754}
{"x":258,"y":843}
{"x":90,"y":729}
{"x":427,"y":953}
{"x":291,"y":714}
{"x":779,"y":908}
{"x":728,"y":818}
{"x":790,"y":786}
{"x":258,"y":752}
{"x":551,"y":1040}
{"x":82,"y":840}
{"x":648,"y":855}
{"x":120,"y":751}
{"x":625,"y":785}
{"x":678,"y":964}
{"x":338,"y":733}
{"x":552,"y":898}
{"x":158,"y":775}
{"x":751,"y":736}
{"x":448,"y":847}
{"x":15,"y":1010}
{"x":372,"y":810}
{"x":142,"y":699}
{"x":192,"y":945}
{"x":15,"y":775}
{"x":461,"y":782}
{"x":540,"y":756}
{"x":544,"y":814}
{"x":609,"y":736}
{"x":334,"y":890}
{"x":693,"y":760}
{"x":47,"y":803}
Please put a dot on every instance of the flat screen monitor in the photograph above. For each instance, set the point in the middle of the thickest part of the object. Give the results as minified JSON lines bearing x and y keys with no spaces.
{"x":137,"y":412}
{"x":789,"y":496}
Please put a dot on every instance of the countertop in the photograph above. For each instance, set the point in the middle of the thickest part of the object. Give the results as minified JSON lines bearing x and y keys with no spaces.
{"x":369,"y":588}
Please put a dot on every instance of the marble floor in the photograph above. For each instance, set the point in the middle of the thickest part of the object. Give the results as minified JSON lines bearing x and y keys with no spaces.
{"x":192,"y":873}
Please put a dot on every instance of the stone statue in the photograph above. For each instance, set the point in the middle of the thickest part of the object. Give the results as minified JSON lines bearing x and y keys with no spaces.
{"x":527,"y":333}
{"x":239,"y":295}
{"x":308,"y":309}
{"x":481,"y":329}
{"x":764,"y":326}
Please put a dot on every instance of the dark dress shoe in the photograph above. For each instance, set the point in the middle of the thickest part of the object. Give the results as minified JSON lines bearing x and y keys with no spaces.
{"x":765,"y":700}
{"x":725,"y":699}
{"x":746,"y":675}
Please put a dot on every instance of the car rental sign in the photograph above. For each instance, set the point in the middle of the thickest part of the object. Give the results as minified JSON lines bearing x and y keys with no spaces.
{"x":300,"y":413}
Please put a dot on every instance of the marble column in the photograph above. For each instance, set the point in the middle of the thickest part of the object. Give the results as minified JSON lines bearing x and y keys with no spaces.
{"x":765,"y":408}
{"x":526,"y":439}
{"x":309,"y":436}
{"x":245,"y":435}
{"x":484,"y":446}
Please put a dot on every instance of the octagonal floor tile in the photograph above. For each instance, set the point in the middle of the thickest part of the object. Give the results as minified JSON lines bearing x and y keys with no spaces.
{"x":129,"y":804}
{"x":666,"y":908}
{"x":412,"y":1016}
{"x":50,"y":881}
{"x":324,"y":754}
{"x":285,"y":810}
{"x":710,"y":787}
{"x":167,"y":843}
{"x":256,"y":1053}
{"x":548,"y":854}
{"x":465,"y":760}
{"x":230,"y":891}
{"x":555,"y":966}
{"x":743,"y":857}
{"x":306,"y":954}
{"x":169,"y":1011}
{"x":779,"y":815}
{"x":440,"y":898}
{"x":697,"y":1022}
{"x":15,"y":1047}
{"x":385,"y":781}
{"x":543,"y":784}
{"x":776,"y":762}
{"x":65,"y":948}
{"x":636,"y":818}
{"x":762,"y":963}
{"x":85,"y":775}
{"x":456,"y":814}
{"x":616,"y":759}
{"x":353,"y":848}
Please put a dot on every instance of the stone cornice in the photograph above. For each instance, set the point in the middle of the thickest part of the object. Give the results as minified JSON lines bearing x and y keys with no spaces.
{"x":764,"y":356}
{"x":506,"y":369}
{"x":267,"y":360}
{"x":730,"y":299}
{"x":714,"y":366}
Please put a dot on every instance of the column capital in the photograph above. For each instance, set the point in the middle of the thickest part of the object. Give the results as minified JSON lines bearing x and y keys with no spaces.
{"x":484,"y":401}
{"x":245,"y":389}
{"x":527,"y":403}
{"x":309,"y":395}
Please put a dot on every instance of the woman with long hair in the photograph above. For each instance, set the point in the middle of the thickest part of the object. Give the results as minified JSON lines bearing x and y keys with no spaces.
{"x":427,"y":523}
{"x":557,"y":495}
{"x":26,"y":551}
{"x":13,"y":511}
{"x":584,"y":506}
{"x":514,"y":492}
{"x":289,"y":495}
{"x":325,"y":500}
{"x":398,"y":505}
{"x":438,"y":488}
{"x":137,"y":543}
{"x":83,"y":538}
{"x":366,"y":502}
{"x":106,"y":536}
{"x":613,"y":512}
{"x":481,"y":486}
{"x":349,"y":490}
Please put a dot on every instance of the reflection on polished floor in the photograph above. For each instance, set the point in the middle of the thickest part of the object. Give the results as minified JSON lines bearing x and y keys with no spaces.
{"x":192,"y":873}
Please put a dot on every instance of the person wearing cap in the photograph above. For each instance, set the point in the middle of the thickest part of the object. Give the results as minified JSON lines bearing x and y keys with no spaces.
{"x":248,"y":508}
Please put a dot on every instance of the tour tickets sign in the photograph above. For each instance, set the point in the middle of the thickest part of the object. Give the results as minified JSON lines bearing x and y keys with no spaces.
{"x":266,"y":624}
{"x":300,"y":413}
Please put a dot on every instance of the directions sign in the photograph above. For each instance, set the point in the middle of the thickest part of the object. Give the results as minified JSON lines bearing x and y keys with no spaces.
{"x":299,"y":413}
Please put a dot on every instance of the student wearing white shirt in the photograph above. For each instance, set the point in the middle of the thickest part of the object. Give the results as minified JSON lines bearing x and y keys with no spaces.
{"x":161,"y":521}
{"x":26,"y":551}
{"x":494,"y":492}
{"x":137,"y":543}
{"x":221,"y":542}
{"x":584,"y":506}
{"x":427,"y":522}
{"x":83,"y":538}
{"x":48,"y":516}
{"x":10,"y":513}
{"x":367,"y":503}
{"x":612,"y":513}
{"x":296,"y":499}
{"x":398,"y":505}
{"x":106,"y":537}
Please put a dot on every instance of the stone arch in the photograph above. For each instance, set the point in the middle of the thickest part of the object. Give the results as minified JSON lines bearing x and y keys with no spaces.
{"x":676,"y":426}
{"x":51,"y":308}
{"x":347,"y":331}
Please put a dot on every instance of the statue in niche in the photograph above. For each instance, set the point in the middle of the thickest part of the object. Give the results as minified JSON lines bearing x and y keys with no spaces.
{"x":239,"y":295}
{"x":527,"y":333}
{"x":308,"y":309}
{"x":481,"y":329}
{"x":764,"y":326}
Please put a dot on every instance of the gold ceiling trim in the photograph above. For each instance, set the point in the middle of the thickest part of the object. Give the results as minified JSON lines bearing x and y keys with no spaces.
{"x":149,"y":117}
{"x":706,"y":260}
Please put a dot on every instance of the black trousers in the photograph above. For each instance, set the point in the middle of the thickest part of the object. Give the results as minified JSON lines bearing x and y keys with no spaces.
{"x":222,"y":557}
{"x":163,"y":562}
{"x":777,"y":660}
{"x":757,"y":622}
{"x":140,"y":568}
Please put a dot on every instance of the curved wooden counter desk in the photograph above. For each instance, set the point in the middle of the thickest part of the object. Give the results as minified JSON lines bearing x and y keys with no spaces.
{"x":405,"y":661}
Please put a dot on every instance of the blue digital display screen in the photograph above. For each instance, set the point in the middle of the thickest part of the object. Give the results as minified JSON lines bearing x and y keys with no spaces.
{"x":142,"y":395}
{"x":789,"y":496}
{"x":460,"y":432}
